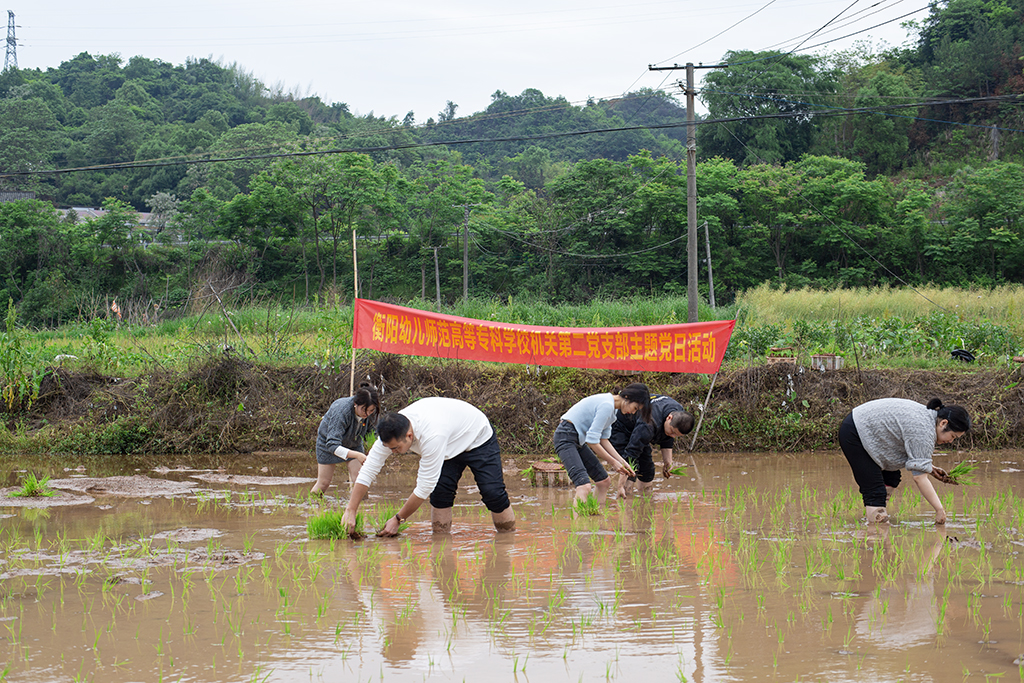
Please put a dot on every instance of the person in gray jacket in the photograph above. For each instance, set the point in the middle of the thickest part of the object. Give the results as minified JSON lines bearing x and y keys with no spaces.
{"x":340,"y":436}
{"x":880,"y":437}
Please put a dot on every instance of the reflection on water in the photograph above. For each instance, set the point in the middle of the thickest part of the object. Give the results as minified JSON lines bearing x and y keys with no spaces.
{"x":904,"y":614}
{"x":756,"y":567}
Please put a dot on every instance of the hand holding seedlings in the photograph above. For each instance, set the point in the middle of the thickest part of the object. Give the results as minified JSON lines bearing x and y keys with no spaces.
{"x":962,"y":473}
{"x":391,"y":527}
{"x":943,"y":476}
{"x":348,"y":521}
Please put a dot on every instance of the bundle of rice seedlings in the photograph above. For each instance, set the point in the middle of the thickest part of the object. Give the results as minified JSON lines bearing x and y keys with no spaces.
{"x":962,"y":473}
{"x":587,"y":507}
{"x":328,"y":525}
{"x":32,"y":487}
{"x":680,"y":471}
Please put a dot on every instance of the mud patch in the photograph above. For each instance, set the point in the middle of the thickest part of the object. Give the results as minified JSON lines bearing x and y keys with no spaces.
{"x":186,"y":535}
{"x":148,"y":596}
{"x":137,"y":486}
{"x":58,"y":499}
{"x":250,"y":480}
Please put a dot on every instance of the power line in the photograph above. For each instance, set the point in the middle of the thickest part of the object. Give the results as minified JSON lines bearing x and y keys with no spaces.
{"x":186,"y":160}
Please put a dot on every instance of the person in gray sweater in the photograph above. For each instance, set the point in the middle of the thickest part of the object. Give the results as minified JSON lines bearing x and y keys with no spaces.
{"x":880,"y":437}
{"x":341,"y":434}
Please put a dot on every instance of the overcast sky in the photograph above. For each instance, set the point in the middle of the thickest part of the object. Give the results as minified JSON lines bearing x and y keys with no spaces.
{"x":393,"y":57}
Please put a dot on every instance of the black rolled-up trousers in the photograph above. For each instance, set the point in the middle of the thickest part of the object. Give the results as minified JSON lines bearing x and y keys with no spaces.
{"x":871,"y":478}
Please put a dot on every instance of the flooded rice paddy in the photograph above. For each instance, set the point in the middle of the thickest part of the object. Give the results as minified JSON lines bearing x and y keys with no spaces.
{"x":753,"y":567}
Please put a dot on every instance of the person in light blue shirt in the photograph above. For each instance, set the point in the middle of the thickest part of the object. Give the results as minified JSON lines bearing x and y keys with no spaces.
{"x":581,"y":438}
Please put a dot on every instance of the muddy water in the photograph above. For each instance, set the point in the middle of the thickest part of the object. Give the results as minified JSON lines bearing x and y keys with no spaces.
{"x":753,"y":567}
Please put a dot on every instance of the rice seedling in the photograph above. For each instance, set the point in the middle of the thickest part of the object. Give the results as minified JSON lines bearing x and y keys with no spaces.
{"x":383,"y":515}
{"x":31,"y":487}
{"x":328,"y":525}
{"x":962,"y":474}
{"x":587,"y":507}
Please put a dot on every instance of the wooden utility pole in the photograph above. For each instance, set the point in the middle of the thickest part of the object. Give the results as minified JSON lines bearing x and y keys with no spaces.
{"x":711,"y":278}
{"x":465,"y":252}
{"x":692,"y":296}
{"x":355,"y":295}
{"x":437,"y":280}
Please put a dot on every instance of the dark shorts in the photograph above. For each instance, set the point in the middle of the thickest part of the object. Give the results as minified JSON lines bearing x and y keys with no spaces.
{"x":871,"y":478}
{"x":580,"y":462}
{"x":484,"y":462}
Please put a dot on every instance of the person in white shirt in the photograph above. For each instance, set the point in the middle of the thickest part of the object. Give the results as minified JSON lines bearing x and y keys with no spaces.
{"x":448,"y":435}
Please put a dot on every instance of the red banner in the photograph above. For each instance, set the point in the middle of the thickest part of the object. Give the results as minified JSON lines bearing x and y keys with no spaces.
{"x":694,"y":347}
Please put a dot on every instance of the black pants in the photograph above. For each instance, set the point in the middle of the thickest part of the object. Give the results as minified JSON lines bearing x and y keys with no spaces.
{"x":871,"y":478}
{"x":580,"y":462}
{"x":642,"y":463}
{"x":485,"y":463}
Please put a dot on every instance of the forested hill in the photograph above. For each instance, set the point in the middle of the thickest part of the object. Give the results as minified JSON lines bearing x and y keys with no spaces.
{"x":859,"y":168}
{"x":950,"y":95}
{"x":96,"y":110}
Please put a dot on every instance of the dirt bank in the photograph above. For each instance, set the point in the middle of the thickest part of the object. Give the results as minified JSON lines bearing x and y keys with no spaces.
{"x":228,"y":405}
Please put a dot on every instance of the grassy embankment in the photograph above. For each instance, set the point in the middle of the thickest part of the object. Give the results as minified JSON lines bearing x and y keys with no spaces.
{"x":259,"y":378}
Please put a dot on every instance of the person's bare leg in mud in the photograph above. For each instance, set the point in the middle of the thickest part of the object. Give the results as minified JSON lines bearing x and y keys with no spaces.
{"x":504,"y":521}
{"x":875,"y":514}
{"x":354,"y":465}
{"x":441,"y":520}
{"x":583,"y":491}
{"x":624,"y":488}
{"x":324,"y":475}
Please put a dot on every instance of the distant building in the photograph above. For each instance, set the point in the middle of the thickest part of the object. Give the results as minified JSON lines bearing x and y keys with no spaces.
{"x":15,"y":196}
{"x":84,"y":212}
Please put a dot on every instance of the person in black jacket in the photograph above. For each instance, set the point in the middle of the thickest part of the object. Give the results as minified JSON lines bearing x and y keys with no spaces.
{"x":633,"y":438}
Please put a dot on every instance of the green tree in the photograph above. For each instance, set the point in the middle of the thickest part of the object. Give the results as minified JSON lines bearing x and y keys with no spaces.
{"x":986,"y":208}
{"x":28,"y":131}
{"x":881,"y":140}
{"x":88,"y":81}
{"x":786,"y":87}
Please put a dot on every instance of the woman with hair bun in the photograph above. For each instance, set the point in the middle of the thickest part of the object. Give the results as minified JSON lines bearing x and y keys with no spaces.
{"x":582,"y":437}
{"x":880,"y":437}
{"x":341,"y":433}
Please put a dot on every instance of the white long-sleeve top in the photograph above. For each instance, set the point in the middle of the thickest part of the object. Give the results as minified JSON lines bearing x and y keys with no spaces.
{"x":443,"y":428}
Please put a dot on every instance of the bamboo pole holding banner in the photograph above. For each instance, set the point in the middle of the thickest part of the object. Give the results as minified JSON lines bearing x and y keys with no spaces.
{"x":704,"y":408}
{"x":355,"y":295}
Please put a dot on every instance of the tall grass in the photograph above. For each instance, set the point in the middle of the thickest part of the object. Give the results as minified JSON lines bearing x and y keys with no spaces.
{"x":898,"y":325}
{"x":1001,"y":305}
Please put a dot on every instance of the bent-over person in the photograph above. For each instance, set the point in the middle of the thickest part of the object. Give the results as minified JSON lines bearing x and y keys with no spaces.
{"x":339,"y":439}
{"x":448,"y":435}
{"x":882,"y":436}
{"x":633,"y":438}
